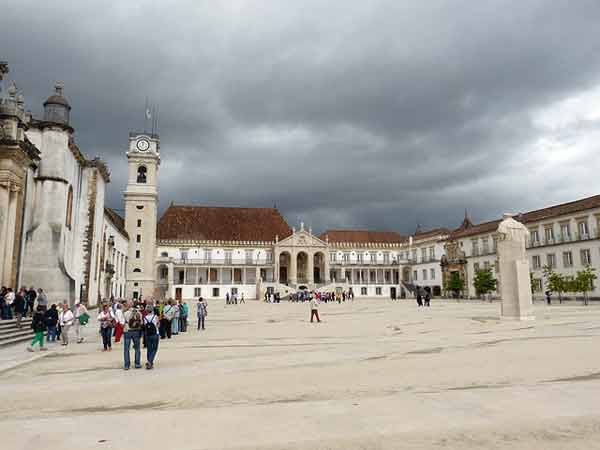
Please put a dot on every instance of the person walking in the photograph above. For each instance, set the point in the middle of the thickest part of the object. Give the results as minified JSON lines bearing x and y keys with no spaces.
{"x":65,"y":319}
{"x":184,"y":311}
{"x":201,"y":312}
{"x":427,"y":298}
{"x":19,"y":306}
{"x":151,"y":336}
{"x":242,"y":299}
{"x":419,"y":297}
{"x":51,"y":316}
{"x":81,"y":319}
{"x":9,"y":299}
{"x":175,"y":320}
{"x":314,"y":309}
{"x":38,"y":325}
{"x":132,"y":334}
{"x":106,"y":320}
{"x":119,"y":323}
{"x":42,"y":299}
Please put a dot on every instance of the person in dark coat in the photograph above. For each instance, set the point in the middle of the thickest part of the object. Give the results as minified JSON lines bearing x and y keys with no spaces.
{"x":30,"y":297}
{"x":51,"y":316}
{"x":419,"y":297}
{"x":427,"y":298}
{"x":38,"y":325}
{"x":19,"y":306}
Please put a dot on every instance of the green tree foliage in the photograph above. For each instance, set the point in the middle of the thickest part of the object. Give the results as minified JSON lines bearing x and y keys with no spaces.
{"x":455,"y":283}
{"x":584,"y":282}
{"x":484,"y":282}
{"x":555,"y":282}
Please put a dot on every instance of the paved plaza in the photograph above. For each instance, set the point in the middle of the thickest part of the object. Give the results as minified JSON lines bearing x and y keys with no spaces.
{"x":373,"y":375}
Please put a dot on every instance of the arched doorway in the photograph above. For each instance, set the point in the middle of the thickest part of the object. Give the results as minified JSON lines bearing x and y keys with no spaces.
{"x":406,"y":275}
{"x":284,"y":267}
{"x":302,"y":267}
{"x":319,"y":267}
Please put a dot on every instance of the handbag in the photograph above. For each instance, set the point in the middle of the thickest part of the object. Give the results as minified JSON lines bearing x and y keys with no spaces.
{"x":84,"y":319}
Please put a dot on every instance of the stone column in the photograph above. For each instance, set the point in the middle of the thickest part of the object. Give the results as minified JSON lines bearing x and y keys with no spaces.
{"x":4,"y":203}
{"x":326,"y":269}
{"x":8,"y":275}
{"x":293,"y":269}
{"x":310,"y":269}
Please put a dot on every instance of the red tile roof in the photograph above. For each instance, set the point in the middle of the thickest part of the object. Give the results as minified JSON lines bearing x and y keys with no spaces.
{"x":431,"y":233}
{"x":363,"y":237}
{"x":222,"y":223}
{"x":533,"y":216}
{"x":116,"y":220}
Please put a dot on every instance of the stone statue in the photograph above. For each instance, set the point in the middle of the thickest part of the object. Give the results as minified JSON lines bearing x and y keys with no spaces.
{"x":514,"y":270}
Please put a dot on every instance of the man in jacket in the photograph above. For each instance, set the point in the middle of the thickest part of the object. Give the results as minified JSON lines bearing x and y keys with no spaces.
{"x":19,"y":306}
{"x":38,"y":324}
{"x":132,"y":333}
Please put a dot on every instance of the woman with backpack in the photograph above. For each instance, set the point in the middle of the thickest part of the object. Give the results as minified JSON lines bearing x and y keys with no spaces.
{"x":133,"y":333}
{"x":151,"y":336}
{"x":106,"y":319}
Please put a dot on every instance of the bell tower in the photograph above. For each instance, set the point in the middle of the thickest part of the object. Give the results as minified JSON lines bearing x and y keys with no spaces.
{"x":141,"y":205}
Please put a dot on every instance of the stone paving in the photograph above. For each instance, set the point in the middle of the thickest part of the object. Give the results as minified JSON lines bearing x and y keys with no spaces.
{"x":373,"y":374}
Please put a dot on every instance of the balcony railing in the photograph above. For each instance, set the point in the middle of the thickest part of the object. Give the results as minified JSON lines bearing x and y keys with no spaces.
{"x":564,"y":239}
{"x":393,"y":262}
{"x":223,"y":262}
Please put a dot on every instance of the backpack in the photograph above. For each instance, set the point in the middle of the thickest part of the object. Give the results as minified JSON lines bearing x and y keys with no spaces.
{"x":149,"y":327}
{"x":135,"y":321}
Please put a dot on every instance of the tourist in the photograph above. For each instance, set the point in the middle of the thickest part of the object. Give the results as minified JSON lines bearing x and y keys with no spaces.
{"x":151,"y":336}
{"x":65,"y":319}
{"x":242,"y":299}
{"x":168,"y":313}
{"x":9,"y":298}
{"x":51,"y":316}
{"x":30,"y":301}
{"x":175,"y":320}
{"x":419,"y":297}
{"x":548,"y":298}
{"x":3,"y":292}
{"x":184,"y":311}
{"x":201,"y":312}
{"x":314,"y":309}
{"x":227,"y":298}
{"x":42,"y":299}
{"x":106,"y":320}
{"x":81,"y":319}
{"x":119,"y":323}
{"x":38,"y":325}
{"x":19,"y":306}
{"x":133,"y":333}
{"x":427,"y":298}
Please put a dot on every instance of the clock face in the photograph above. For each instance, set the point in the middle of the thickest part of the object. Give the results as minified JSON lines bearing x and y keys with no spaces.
{"x":143,"y":145}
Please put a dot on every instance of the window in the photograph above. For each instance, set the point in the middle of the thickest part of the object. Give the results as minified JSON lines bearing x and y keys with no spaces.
{"x":345,"y":257}
{"x":332,"y":257}
{"x":137,"y":254}
{"x":537,"y":283}
{"x":373,"y":258}
{"x":69,"y":216}
{"x":138,"y":238}
{"x":551,"y":260}
{"x":386,"y":258}
{"x":228,"y":256}
{"x":536,"y":262}
{"x":139,"y":206}
{"x":486,"y":265}
{"x":476,"y":267}
{"x":432,"y":274}
{"x":249,"y":254}
{"x":423,"y":254}
{"x":269,"y":256}
{"x":137,"y":270}
{"x":535,"y":236}
{"x":432,"y":253}
{"x":567,"y":259}
{"x":415,"y":275}
{"x":494,"y":245}
{"x":165,"y":254}
{"x":586,"y":257}
{"x":424,"y":274}
{"x":363,"y":290}
{"x":197,"y":292}
{"x":378,"y":291}
{"x":141,"y":174}
{"x":582,"y":228}
{"x":486,"y":246}
{"x":360,"y":257}
{"x":215,"y":292}
{"x":184,"y":253}
{"x":565,"y":231}
{"x":475,"y":247}
{"x":549,"y":234}
{"x":414,"y":255}
{"x":139,"y":223}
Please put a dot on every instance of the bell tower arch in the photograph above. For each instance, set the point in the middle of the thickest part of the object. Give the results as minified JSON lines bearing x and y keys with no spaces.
{"x":141,"y":208}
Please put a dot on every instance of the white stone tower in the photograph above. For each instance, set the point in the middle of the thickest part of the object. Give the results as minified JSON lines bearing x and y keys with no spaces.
{"x":141,"y":204}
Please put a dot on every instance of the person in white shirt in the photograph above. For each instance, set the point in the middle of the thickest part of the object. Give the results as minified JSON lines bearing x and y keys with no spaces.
{"x":66,"y":319}
{"x":80,"y":310}
{"x":314,"y":309}
{"x":151,"y":336}
{"x":106,"y":319}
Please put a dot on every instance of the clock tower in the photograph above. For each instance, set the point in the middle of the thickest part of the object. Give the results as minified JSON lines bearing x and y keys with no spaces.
{"x":141,"y":205}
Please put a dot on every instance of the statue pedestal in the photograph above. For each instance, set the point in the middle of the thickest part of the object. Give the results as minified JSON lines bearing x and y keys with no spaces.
{"x":515,"y":285}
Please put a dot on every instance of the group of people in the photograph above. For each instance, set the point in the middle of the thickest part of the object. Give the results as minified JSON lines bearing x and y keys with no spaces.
{"x":423,"y":297}
{"x":57,"y":324}
{"x":233,"y":299}
{"x":272,"y":297}
{"x":21,"y":303}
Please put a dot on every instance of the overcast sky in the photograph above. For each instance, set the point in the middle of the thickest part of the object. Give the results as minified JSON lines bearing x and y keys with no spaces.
{"x":346,"y":114}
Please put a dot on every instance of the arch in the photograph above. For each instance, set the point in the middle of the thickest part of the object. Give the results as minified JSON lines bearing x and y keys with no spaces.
{"x":302,"y":267}
{"x":319,"y":267}
{"x":69,"y":216}
{"x":285,"y":260}
{"x":137,"y":270}
{"x":162,"y":273}
{"x":142,"y":174}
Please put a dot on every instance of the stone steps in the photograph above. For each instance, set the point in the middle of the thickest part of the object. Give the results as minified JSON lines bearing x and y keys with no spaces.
{"x":10,"y":334}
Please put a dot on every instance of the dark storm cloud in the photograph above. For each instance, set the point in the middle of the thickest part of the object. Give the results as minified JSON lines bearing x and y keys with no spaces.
{"x":375,"y":114}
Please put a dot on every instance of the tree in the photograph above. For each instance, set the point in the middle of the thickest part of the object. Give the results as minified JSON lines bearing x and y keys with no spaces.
{"x":484,"y":282}
{"x":533,"y":283}
{"x":555,"y":282}
{"x":455,"y":283}
{"x":584,"y":282}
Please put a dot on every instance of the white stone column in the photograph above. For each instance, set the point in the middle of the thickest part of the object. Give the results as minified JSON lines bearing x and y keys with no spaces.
{"x":4,"y":199}
{"x":293,"y":269}
{"x":310,"y":269}
{"x":326,"y":269}
{"x":9,"y":245}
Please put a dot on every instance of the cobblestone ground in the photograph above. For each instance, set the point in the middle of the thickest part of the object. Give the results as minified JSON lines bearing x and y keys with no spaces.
{"x":373,"y":374}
